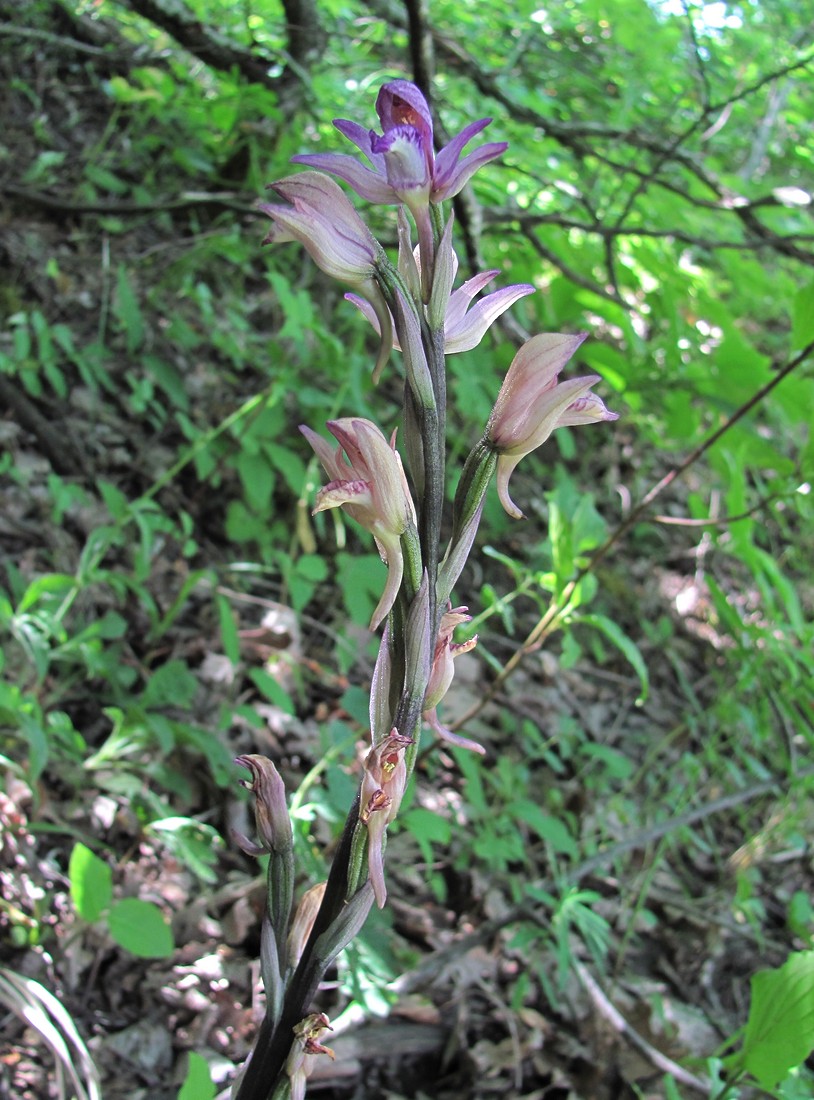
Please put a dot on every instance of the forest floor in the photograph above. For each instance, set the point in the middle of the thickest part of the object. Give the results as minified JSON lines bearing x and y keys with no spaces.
{"x":480,"y":1009}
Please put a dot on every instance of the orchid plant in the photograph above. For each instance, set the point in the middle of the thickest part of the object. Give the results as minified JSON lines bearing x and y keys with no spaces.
{"x":415,"y":311}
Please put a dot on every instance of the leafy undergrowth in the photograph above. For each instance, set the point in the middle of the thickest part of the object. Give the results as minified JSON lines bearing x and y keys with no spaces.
{"x":577,"y":915}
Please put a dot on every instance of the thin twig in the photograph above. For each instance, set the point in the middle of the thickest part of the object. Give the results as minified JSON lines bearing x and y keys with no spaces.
{"x":430,"y":969}
{"x":556,"y":608}
{"x":620,"y":1025}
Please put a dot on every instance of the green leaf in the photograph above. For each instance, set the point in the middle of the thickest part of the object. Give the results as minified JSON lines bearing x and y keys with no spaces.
{"x":198,"y":1084}
{"x":31,"y":729}
{"x":228,"y":629}
{"x":128,"y":311}
{"x":361,"y":578}
{"x":170,"y":685}
{"x":91,"y":883}
{"x":115,"y":500}
{"x":272,"y":690}
{"x":105,"y":180}
{"x":626,"y":647}
{"x":51,"y":584}
{"x":169,"y":379}
{"x":802,"y":331}
{"x":548,"y":828}
{"x":427,"y":828}
{"x":780,"y":1029}
{"x":312,"y":567}
{"x":140,"y":928}
{"x":257,"y":477}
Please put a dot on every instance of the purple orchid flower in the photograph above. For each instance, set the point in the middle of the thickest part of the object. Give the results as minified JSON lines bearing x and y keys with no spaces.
{"x":403,"y":160}
{"x":464,"y":328}
{"x":404,"y":166}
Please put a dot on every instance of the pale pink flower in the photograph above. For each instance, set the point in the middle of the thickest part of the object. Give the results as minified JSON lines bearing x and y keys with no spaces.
{"x":532,"y":403}
{"x":382,"y":791}
{"x":464,"y":328}
{"x":320,"y":216}
{"x":442,"y":672}
{"x":369,"y":483}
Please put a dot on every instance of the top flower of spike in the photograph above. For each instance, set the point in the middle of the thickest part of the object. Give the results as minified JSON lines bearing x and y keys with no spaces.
{"x":405,"y":168}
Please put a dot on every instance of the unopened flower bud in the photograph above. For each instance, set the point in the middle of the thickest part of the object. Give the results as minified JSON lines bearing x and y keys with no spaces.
{"x":303,"y":922}
{"x":270,"y":805}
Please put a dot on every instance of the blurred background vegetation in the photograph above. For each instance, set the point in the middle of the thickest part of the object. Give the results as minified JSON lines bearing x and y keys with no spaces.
{"x":166,"y":600}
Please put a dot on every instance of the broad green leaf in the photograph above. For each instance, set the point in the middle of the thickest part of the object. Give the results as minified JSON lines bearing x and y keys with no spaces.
{"x":140,"y":928}
{"x":780,"y":1029}
{"x":169,"y":379}
{"x":426,"y":828}
{"x":198,"y":1084}
{"x":115,"y":500}
{"x":272,"y":690}
{"x":105,"y":180}
{"x":312,"y":567}
{"x":257,"y":477}
{"x":51,"y":584}
{"x":361,"y":578}
{"x":91,"y":883}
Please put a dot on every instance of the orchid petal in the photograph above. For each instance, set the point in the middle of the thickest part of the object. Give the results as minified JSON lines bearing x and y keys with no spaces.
{"x":469,"y":332}
{"x":402,"y":103}
{"x":460,"y":299}
{"x":448,"y":157}
{"x":464,"y":171}
{"x":337,"y":493}
{"x":364,"y":181}
{"x":362,"y":138}
{"x":585,"y":410}
{"x":394,"y":559}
